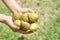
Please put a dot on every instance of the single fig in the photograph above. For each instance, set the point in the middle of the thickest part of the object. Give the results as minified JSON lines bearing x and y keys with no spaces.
{"x":32,"y":17}
{"x":25,"y":26}
{"x":25,"y":17}
{"x":17,"y":22}
{"x":17,"y":16}
{"x":34,"y":27}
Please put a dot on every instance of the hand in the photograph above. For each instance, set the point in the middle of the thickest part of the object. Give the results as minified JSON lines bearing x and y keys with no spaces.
{"x":24,"y":10}
{"x":9,"y":22}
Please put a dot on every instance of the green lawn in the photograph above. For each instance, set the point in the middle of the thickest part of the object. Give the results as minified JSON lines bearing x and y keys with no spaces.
{"x":49,"y":12}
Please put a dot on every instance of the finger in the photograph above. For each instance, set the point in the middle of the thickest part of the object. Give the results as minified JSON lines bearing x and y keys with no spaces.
{"x":39,"y":28}
{"x":28,"y":31}
{"x":24,"y":10}
{"x":12,"y":25}
{"x":30,"y":10}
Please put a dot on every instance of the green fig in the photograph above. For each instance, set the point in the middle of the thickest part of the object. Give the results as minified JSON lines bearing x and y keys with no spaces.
{"x":25,"y":26}
{"x":32,"y":17}
{"x":17,"y":16}
{"x":34,"y":27}
{"x":17,"y":22}
{"x":25,"y":17}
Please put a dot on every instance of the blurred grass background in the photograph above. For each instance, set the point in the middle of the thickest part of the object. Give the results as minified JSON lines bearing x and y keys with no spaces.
{"x":49,"y":12}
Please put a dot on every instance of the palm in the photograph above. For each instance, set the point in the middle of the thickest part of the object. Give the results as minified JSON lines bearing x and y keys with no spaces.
{"x":10,"y":23}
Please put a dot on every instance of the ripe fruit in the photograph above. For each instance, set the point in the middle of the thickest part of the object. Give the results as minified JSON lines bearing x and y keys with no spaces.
{"x":25,"y":26}
{"x":26,"y":22}
{"x":34,"y":27}
{"x":33,"y":17}
{"x":17,"y":22}
{"x":25,"y":17}
{"x":17,"y":16}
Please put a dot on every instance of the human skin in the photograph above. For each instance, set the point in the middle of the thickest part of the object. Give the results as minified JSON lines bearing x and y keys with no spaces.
{"x":15,"y":8}
{"x":8,"y":20}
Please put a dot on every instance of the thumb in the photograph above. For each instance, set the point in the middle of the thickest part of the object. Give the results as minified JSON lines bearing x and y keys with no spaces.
{"x":12,"y":25}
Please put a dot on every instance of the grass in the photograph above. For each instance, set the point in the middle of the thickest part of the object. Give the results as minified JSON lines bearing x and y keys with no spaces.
{"x":49,"y":12}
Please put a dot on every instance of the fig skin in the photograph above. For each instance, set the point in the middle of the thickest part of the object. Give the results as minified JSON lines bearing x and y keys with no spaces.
{"x":32,"y":17}
{"x":25,"y":17}
{"x":17,"y":16}
{"x":25,"y":26}
{"x":34,"y":27}
{"x":17,"y":22}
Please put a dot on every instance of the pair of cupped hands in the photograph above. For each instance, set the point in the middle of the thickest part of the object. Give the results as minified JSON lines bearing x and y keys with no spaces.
{"x":9,"y":20}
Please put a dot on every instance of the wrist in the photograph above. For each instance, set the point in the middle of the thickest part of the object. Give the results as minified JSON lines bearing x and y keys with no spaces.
{"x":12,"y":5}
{"x":2,"y":18}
